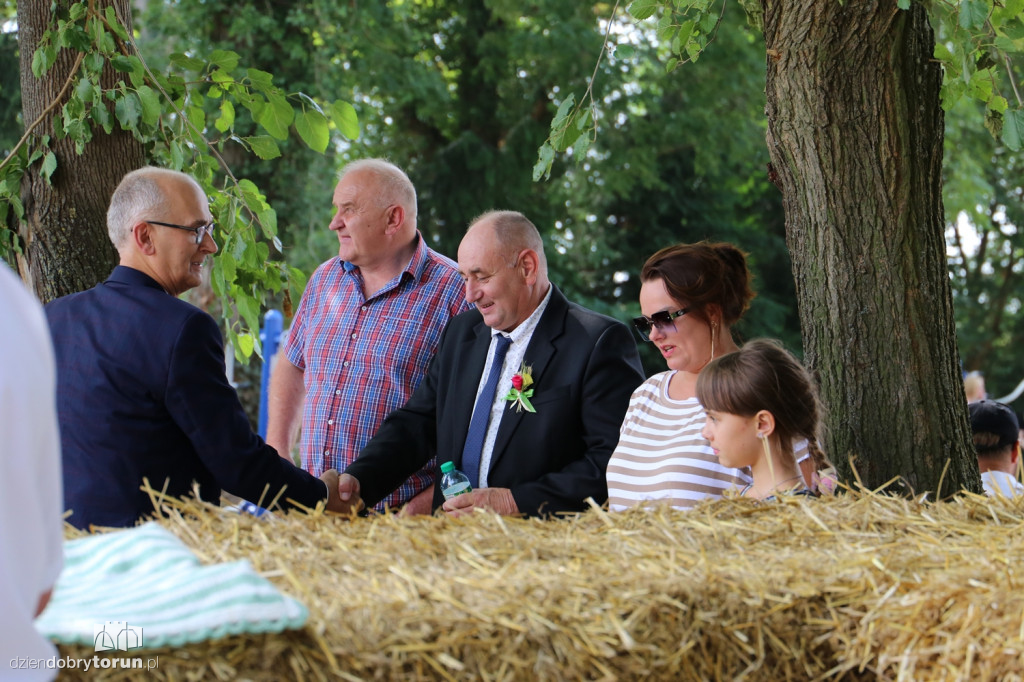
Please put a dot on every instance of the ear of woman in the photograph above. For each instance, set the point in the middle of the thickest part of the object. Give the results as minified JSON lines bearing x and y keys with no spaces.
{"x":765,"y":422}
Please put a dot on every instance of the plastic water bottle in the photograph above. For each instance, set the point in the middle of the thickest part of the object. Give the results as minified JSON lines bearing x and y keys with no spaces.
{"x":453,"y":481}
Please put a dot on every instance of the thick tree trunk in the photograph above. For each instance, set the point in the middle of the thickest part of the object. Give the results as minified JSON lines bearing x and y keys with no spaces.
{"x":64,"y":233}
{"x":855,"y":135}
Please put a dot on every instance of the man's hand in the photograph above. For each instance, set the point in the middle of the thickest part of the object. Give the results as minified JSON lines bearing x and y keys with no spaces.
{"x":421,"y":504}
{"x":342,"y":492}
{"x":498,"y":500}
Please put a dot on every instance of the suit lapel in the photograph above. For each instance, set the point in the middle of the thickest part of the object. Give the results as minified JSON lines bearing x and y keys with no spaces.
{"x":538,"y":356}
{"x":470,"y":361}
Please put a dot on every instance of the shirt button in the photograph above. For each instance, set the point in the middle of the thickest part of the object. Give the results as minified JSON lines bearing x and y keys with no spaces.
{"x":327,"y":452}
{"x":330,"y":422}
{"x":337,"y":392}
{"x":345,"y":364}
{"x":363,"y":308}
{"x":353,"y":336}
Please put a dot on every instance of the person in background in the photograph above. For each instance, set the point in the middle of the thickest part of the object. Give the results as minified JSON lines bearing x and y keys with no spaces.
{"x":760,"y":402}
{"x":539,"y":449}
{"x":996,"y":435}
{"x":365,"y":330}
{"x":974,"y":387}
{"x":31,"y":527}
{"x":142,"y":394}
{"x":691,"y":295}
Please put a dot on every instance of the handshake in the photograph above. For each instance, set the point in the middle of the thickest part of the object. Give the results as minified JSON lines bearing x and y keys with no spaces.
{"x":342,"y":492}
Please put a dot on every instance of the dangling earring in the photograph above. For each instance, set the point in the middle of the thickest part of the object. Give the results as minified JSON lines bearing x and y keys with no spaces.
{"x":714,"y":328}
{"x":767,"y":454}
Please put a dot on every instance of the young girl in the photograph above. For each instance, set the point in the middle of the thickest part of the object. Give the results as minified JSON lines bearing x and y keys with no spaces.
{"x":760,"y":402}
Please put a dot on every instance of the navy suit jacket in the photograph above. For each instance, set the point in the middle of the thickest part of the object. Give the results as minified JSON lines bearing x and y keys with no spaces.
{"x":585,"y":367}
{"x":142,"y":393}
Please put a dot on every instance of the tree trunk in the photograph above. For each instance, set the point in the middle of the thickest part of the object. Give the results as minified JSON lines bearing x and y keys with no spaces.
{"x":64,"y":233}
{"x":855,"y":135}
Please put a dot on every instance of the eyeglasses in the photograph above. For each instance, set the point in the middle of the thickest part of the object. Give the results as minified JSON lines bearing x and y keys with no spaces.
{"x":661,"y":319}
{"x":200,"y":231}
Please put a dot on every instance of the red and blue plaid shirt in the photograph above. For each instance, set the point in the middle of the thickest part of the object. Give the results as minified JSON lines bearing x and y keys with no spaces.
{"x":362,"y":358}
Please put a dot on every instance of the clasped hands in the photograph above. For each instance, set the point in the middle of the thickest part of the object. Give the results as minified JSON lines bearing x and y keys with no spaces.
{"x":344,"y":497}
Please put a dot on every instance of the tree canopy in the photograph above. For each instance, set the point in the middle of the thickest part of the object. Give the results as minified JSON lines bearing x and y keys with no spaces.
{"x":263,"y":102}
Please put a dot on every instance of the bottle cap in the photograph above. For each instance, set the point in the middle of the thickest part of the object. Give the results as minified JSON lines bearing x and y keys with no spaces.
{"x":447,"y":466}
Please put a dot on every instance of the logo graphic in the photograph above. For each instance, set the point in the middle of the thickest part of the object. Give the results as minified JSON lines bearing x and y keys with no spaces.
{"x":116,"y":635}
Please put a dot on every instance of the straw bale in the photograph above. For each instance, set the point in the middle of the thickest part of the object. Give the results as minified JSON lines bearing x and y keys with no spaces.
{"x":858,"y":586}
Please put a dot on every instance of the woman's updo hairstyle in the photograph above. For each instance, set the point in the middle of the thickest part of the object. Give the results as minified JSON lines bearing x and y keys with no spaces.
{"x":702,"y":274}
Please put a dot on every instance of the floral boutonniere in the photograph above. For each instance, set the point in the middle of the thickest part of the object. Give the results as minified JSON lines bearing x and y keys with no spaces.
{"x":520,"y":393}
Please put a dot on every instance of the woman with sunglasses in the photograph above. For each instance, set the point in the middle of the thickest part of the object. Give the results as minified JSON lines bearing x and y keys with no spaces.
{"x":691,"y":295}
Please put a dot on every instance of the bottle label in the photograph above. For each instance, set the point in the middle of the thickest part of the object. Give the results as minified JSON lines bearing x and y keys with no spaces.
{"x":457,"y":489}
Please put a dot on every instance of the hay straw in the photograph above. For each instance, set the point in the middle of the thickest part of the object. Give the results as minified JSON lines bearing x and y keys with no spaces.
{"x":852,"y":587}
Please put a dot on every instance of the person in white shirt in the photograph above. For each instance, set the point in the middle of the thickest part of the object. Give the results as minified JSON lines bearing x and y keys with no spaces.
{"x":996,"y":440}
{"x":31,"y":496}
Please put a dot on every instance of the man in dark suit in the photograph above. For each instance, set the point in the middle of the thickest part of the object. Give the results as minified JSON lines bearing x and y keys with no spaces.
{"x":584,"y":366}
{"x":141,"y":389}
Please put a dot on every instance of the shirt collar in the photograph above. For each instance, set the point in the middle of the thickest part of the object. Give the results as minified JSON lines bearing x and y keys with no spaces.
{"x":416,"y":265}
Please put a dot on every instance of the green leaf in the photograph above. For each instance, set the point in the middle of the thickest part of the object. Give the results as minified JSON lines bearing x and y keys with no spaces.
{"x":261,"y":80}
{"x":641,"y":9}
{"x":276,"y":116}
{"x":682,"y":38}
{"x":263,"y":147}
{"x":666,"y":28}
{"x":973,"y":13}
{"x":624,"y":51}
{"x":227,"y":263}
{"x":312,"y":128}
{"x":225,"y":59}
{"x":903,"y":4}
{"x":116,"y":25}
{"x":227,"y":116}
{"x":126,"y":64}
{"x":128,"y":110}
{"x":1013,"y":129}
{"x":93,"y":62}
{"x":942,"y":52}
{"x":176,"y":154}
{"x":998,"y":103}
{"x":246,"y":343}
{"x":580,"y":147}
{"x":344,"y":116}
{"x":563,"y":112}
{"x":49,"y":165}
{"x":187,"y":63}
{"x":220,"y":76}
{"x":78,"y":39}
{"x":84,"y":90}
{"x":566,"y":137}
{"x":545,"y":157}
{"x":150,"y":104}
{"x":101,"y":115}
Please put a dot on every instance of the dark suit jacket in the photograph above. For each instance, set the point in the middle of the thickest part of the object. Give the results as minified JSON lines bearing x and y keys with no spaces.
{"x":585,"y":367}
{"x":141,"y":392}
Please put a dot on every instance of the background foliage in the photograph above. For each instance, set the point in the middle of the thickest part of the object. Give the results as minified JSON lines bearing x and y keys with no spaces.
{"x":462,"y":94}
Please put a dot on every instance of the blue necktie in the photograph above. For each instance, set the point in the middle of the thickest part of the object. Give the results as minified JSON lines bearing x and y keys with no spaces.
{"x":482,"y":414}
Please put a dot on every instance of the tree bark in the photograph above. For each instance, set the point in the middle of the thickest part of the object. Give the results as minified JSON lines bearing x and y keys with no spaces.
{"x":64,"y":234}
{"x":855,"y":134}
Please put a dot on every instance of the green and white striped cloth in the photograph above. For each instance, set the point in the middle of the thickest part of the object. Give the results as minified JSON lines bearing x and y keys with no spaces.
{"x":147,"y":583}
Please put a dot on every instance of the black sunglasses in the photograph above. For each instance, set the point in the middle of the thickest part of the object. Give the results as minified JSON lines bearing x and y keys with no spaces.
{"x":661,"y":319}
{"x":200,"y":231}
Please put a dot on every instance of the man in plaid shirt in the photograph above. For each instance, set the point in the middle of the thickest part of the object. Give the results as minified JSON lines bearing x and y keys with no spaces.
{"x":366,"y":328}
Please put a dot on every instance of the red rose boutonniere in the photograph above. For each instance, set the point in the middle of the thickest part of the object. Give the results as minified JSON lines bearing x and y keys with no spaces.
{"x":520,"y":393}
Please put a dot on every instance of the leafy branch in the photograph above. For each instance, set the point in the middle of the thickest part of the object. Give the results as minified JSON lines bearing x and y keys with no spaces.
{"x":184,"y":125}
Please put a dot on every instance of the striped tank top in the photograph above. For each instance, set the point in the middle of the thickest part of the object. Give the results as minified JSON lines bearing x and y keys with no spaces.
{"x":661,"y":456}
